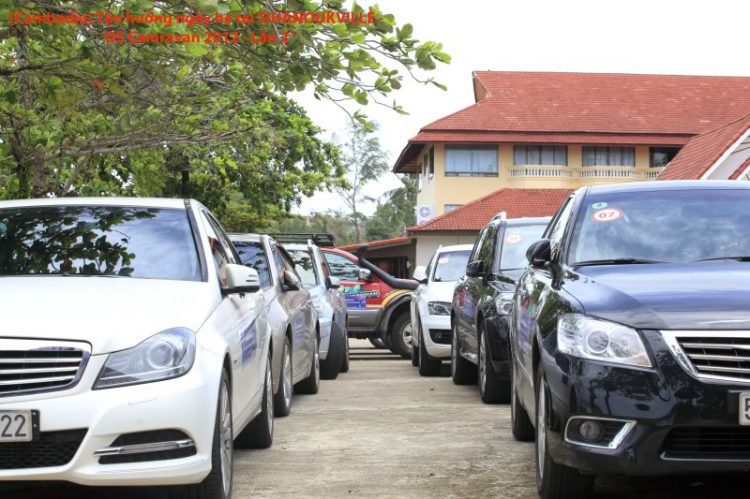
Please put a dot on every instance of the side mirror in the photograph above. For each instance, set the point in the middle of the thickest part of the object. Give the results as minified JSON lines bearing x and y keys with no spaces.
{"x":475,"y":268}
{"x":333,"y":282}
{"x":420,"y":274}
{"x":291,"y":282}
{"x":538,"y":253}
{"x":240,"y":279}
{"x":364,"y":275}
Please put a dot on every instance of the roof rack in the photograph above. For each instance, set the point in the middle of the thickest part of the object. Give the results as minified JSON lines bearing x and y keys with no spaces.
{"x":318,"y":238}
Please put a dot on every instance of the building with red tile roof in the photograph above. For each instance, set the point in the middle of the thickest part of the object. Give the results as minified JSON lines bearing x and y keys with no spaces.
{"x":566,"y":130}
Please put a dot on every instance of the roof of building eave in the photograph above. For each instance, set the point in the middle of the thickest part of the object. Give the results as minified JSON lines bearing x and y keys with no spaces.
{"x":706,"y":151}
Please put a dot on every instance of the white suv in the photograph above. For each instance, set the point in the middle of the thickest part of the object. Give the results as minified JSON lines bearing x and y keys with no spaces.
{"x":134,"y":349}
{"x":431,"y":307}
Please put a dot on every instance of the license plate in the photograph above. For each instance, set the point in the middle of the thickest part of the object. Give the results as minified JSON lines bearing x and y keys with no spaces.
{"x":16,"y":426}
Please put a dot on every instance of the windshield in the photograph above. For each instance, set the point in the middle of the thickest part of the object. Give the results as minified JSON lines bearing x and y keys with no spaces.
{"x":303,"y":264}
{"x":516,"y":240}
{"x":99,"y":241}
{"x":666,"y":226}
{"x":451,"y":266}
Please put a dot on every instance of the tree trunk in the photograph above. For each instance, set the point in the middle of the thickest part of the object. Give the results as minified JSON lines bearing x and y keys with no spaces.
{"x":357,"y":233}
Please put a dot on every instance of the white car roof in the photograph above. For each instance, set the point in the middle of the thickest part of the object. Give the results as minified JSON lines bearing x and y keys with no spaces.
{"x":245,"y":238}
{"x":455,"y":247}
{"x":103,"y":201}
{"x":297,"y":247}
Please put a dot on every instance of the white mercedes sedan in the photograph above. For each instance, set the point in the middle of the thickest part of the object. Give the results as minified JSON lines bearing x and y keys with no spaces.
{"x":133,"y":350}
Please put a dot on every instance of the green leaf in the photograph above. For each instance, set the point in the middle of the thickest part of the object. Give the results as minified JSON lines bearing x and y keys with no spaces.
{"x":405,"y":32}
{"x":54,"y":82}
{"x":442,"y":57}
{"x":358,"y":37}
{"x":197,"y":49}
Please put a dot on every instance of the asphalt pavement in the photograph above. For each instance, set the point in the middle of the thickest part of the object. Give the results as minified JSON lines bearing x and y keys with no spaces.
{"x":382,"y":431}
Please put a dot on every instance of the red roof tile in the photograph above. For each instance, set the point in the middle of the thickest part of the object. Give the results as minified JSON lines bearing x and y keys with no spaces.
{"x":396,"y":241}
{"x":703,"y":151}
{"x":605,"y":103}
{"x":517,"y":203}
{"x":736,"y":175}
{"x":551,"y":138}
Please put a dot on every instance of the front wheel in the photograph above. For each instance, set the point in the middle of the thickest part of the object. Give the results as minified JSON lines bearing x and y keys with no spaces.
{"x":554,"y":481}
{"x":218,"y":483}
{"x":331,"y":367}
{"x":401,"y":335}
{"x":283,"y":399}
{"x":463,"y":372}
{"x":520,"y":424}
{"x":414,"y":351}
{"x":428,"y":366}
{"x":259,"y":433}
{"x":311,"y":384}
{"x":378,"y":343}
{"x":345,"y":361}
{"x":492,"y":389}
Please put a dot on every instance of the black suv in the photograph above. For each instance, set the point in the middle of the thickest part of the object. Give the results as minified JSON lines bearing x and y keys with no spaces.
{"x":630,"y":335}
{"x":481,"y":301}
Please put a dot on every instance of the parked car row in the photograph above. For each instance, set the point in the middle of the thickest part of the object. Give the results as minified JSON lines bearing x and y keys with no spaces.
{"x":142,"y":343}
{"x":621,"y":342}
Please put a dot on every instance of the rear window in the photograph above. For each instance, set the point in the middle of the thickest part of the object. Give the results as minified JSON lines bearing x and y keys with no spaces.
{"x":145,"y":243}
{"x":516,"y":240}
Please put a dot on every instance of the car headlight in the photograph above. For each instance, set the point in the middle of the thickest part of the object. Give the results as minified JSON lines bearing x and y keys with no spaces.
{"x":439,"y":308}
{"x":166,"y":355}
{"x":589,"y":338}
{"x":504,"y":303}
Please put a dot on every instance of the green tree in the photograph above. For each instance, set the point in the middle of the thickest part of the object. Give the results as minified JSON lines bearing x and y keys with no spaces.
{"x":394,"y":212}
{"x":80,"y":116}
{"x":364,"y":162}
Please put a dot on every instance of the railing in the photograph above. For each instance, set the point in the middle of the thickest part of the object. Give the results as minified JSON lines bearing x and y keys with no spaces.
{"x":586,"y":172}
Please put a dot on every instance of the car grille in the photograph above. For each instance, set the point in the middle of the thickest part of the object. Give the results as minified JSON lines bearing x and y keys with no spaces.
{"x":55,"y":448}
{"x":28,"y":366}
{"x":725,"y":355}
{"x":708,"y":442}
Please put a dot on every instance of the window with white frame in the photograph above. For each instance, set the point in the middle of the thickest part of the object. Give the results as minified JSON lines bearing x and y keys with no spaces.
{"x":608,"y":156}
{"x":540,"y":155}
{"x":450,"y":207}
{"x":471,"y":161}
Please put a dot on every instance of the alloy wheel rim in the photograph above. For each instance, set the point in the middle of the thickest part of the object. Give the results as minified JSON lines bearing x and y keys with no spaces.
{"x":317,"y":362}
{"x":454,"y":352}
{"x":269,"y":396}
{"x":406,"y":335}
{"x":541,"y":433}
{"x":288,"y":378}
{"x":482,"y":367}
{"x":226,"y":440}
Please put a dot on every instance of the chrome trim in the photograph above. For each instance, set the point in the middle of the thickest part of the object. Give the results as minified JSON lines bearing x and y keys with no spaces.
{"x":41,"y":345}
{"x":627,"y":427}
{"x":145,"y":448}
{"x":684,"y":359}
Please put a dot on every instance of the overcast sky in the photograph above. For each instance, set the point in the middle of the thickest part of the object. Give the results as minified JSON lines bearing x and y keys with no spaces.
{"x":612,"y":36}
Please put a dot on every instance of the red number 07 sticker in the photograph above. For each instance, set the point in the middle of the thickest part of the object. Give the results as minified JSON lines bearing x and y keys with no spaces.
{"x":606,"y":215}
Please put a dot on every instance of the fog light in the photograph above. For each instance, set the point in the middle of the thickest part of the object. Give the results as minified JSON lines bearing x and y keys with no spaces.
{"x":591,"y":431}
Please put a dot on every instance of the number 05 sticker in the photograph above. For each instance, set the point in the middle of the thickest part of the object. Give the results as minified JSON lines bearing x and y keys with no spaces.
{"x":606,"y":215}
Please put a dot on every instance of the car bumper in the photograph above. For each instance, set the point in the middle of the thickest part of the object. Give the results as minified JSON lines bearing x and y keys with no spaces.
{"x":440,"y":325}
{"x":187,"y":404}
{"x":659,"y":401}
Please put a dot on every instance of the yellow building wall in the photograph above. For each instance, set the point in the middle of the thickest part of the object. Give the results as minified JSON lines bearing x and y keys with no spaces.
{"x":442,"y":190}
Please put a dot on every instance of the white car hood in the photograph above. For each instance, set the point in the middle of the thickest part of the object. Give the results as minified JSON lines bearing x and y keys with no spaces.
{"x":441,"y":291}
{"x":109,"y":313}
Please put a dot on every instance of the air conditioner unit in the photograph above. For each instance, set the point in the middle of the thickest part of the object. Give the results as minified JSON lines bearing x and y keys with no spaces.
{"x":425,"y":213}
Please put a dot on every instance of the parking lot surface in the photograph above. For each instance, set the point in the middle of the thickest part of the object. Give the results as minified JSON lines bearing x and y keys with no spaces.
{"x":382,"y":431}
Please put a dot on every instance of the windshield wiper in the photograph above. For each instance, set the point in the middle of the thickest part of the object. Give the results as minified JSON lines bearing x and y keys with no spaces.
{"x":715,"y":258}
{"x":615,"y":261}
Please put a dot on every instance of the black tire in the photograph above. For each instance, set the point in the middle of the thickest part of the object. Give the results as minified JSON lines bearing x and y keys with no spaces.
{"x":463,"y":372}
{"x":212,"y":487}
{"x":282,"y":401}
{"x":389,"y":344}
{"x":259,"y":433}
{"x":492,"y":389}
{"x":414,"y":349}
{"x":345,"y":360}
{"x":311,"y":384}
{"x":402,"y":328}
{"x":378,"y":343}
{"x":428,"y":366}
{"x":331,"y":367}
{"x":520,"y":423}
{"x":555,"y":481}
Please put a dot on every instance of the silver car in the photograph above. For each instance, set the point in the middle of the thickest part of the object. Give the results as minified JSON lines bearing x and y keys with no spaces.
{"x":295,"y":328}
{"x":329,"y":302}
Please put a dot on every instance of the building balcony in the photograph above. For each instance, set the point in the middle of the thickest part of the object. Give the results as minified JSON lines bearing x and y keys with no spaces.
{"x":568,"y":176}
